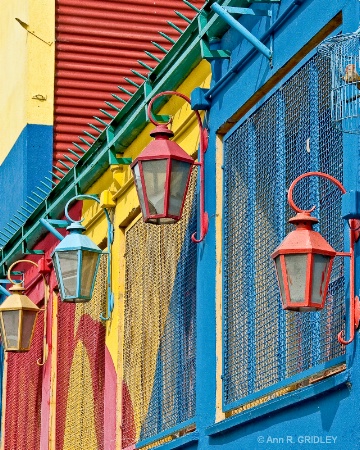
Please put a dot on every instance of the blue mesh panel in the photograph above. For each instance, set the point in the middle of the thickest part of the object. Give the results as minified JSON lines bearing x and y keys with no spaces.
{"x":288,"y":135}
{"x":160,"y":327}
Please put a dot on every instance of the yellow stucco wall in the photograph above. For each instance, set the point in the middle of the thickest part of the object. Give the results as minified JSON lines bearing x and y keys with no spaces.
{"x":27,"y":67}
{"x":119,"y":181}
{"x":186,"y":132}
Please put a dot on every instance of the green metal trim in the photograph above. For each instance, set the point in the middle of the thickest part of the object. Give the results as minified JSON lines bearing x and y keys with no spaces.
{"x":206,"y":52}
{"x":127,"y":124}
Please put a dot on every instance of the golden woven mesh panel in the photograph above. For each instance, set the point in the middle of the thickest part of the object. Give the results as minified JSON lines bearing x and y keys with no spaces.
{"x":152,"y":253}
{"x":84,"y":413}
{"x":98,"y":303}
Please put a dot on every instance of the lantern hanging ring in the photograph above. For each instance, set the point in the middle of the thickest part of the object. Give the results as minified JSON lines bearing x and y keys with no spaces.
{"x":42,"y":268}
{"x":204,"y":218}
{"x":110,"y":238}
{"x":354,"y":306}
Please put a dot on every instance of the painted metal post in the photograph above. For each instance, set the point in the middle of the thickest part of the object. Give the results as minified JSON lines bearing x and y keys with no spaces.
{"x":228,"y":18}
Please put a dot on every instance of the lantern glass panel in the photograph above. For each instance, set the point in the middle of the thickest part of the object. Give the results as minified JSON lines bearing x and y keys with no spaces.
{"x":320,"y":273}
{"x":155,"y":183}
{"x":180,"y":172}
{"x":28,"y":322}
{"x":11,"y":328}
{"x":88,"y":268}
{"x":139,"y":188}
{"x":296,"y":266}
{"x":280,"y":279}
{"x":69,"y":271}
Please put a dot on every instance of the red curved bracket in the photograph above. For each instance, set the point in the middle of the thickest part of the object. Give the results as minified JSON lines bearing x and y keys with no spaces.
{"x":310,"y":174}
{"x":204,"y":218}
{"x":354,"y":307}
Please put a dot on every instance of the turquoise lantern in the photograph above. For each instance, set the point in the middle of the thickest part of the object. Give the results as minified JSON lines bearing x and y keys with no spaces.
{"x":76,"y":260}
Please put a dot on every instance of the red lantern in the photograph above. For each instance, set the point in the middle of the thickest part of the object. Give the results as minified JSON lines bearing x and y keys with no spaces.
{"x":162,"y":173}
{"x":303,"y":263}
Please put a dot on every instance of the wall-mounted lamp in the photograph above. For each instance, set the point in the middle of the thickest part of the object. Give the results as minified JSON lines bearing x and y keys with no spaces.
{"x":18,"y":314}
{"x":76,"y":261}
{"x":162,"y":173}
{"x":303,"y":263}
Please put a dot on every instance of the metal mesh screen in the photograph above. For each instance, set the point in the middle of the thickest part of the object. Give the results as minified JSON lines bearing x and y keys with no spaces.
{"x":159,"y":342}
{"x":288,"y":135}
{"x":81,"y":370}
{"x":23,"y":394}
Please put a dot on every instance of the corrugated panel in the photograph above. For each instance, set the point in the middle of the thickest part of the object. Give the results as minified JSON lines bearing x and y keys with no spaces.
{"x":97,"y":43}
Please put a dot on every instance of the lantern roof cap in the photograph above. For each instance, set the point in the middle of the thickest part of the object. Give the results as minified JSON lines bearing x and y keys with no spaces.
{"x":163,"y":149}
{"x":75,"y":240}
{"x":17,"y":288}
{"x":161,"y":130}
{"x":18,"y":301}
{"x":76,"y":227}
{"x":304,"y":217}
{"x":304,"y":240}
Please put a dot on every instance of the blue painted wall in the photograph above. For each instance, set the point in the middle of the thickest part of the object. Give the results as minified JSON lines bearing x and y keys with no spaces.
{"x":326,"y":413}
{"x":26,"y":164}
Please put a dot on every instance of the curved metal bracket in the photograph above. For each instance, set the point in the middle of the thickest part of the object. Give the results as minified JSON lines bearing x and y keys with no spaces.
{"x":354,"y":304}
{"x":110,"y":232}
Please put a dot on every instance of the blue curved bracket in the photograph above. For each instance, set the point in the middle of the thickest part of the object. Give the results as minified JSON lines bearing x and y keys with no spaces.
{"x":110,"y":236}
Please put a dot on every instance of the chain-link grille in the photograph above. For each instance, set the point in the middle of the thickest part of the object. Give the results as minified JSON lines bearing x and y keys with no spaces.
{"x":288,"y":135}
{"x":159,"y":342}
{"x":23,"y":394}
{"x":80,"y":370}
